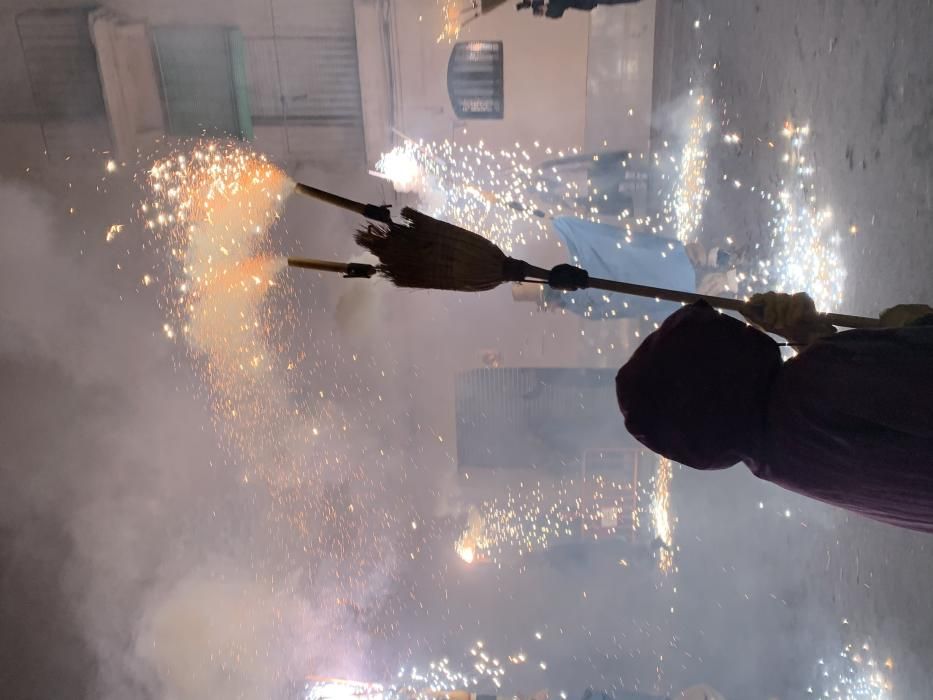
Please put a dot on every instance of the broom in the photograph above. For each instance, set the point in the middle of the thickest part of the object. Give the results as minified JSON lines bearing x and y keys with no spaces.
{"x":425,"y":253}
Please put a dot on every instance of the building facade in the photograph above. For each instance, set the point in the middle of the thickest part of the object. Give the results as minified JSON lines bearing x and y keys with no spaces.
{"x":332,"y":82}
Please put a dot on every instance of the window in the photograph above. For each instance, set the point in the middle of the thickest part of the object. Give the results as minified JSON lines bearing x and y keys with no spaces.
{"x":203,"y":80}
{"x":541,"y":418}
{"x":474,"y":80}
{"x":314,"y":80}
{"x":61,"y":65}
{"x":308,"y":87}
{"x":297,"y":95}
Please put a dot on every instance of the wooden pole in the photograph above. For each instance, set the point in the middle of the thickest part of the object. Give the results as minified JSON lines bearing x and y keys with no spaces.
{"x":640,"y":290}
{"x":843,"y":320}
{"x":346,"y":269}
{"x":370,"y":211}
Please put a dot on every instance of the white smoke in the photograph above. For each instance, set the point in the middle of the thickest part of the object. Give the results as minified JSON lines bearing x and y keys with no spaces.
{"x":137,"y":536}
{"x":223,"y":632}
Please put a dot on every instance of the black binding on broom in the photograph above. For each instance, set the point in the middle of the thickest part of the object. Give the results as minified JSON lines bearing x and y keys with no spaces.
{"x":568,"y":278}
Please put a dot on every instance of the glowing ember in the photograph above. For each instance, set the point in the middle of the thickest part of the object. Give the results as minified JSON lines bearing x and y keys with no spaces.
{"x":400,"y":165}
{"x":450,"y":12}
{"x":472,"y":538}
{"x":466,"y":553}
{"x":113,"y":232}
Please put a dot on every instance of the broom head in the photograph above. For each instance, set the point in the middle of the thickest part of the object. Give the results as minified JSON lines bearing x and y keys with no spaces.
{"x":425,"y":253}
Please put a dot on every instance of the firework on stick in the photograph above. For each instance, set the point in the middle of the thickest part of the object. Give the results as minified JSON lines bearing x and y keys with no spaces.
{"x":424,"y":253}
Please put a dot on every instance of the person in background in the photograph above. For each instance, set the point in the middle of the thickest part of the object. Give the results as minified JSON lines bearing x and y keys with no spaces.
{"x":492,"y":359}
{"x":537,"y":6}
{"x":715,"y":272}
{"x":633,"y":256}
{"x":848,"y":421}
{"x":556,"y":8}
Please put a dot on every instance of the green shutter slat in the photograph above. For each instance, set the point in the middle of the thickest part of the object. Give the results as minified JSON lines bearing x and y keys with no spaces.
{"x":240,"y":86}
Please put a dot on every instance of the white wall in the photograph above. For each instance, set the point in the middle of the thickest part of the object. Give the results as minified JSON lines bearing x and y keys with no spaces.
{"x":545,"y":76}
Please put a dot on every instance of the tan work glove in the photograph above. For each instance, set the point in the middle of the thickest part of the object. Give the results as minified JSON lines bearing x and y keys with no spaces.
{"x":793,"y":316}
{"x":902,"y":314}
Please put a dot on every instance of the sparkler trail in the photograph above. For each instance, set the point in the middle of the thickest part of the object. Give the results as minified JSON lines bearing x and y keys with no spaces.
{"x":539,"y":517}
{"x":808,"y":246}
{"x":507,"y":196}
{"x":493,"y":194}
{"x":684,"y":205}
{"x":805,"y":245}
{"x":210,"y":214}
{"x":854,"y":674}
{"x":437,"y":680}
{"x":211,"y":211}
{"x":661,"y":517}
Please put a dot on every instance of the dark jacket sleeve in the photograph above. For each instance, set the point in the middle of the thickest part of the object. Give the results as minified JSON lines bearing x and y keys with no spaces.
{"x":922,"y":321}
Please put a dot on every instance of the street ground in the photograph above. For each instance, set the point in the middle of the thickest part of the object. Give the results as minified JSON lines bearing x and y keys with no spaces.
{"x":860,"y":75}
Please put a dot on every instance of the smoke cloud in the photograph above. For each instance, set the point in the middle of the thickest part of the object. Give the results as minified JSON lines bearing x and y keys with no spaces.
{"x":137,"y":540}
{"x":222,"y":632}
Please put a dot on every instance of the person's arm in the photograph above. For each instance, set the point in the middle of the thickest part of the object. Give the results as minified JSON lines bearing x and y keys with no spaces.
{"x":792,"y":316}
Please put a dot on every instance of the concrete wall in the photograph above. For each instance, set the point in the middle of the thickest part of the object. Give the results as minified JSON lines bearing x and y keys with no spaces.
{"x":130,"y":78}
{"x":378,"y":87}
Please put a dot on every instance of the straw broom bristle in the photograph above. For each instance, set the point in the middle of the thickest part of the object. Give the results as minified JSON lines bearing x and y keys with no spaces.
{"x":429,"y":254}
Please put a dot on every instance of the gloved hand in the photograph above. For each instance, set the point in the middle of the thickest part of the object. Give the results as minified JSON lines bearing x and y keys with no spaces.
{"x":793,"y":316}
{"x":902,"y":314}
